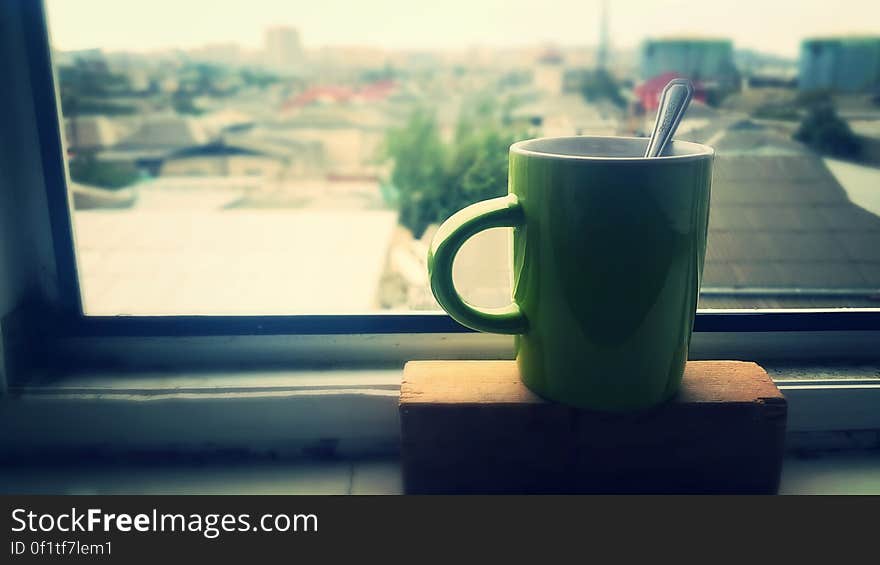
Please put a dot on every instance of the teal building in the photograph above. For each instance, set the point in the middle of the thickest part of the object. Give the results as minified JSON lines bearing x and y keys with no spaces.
{"x":705,"y":60}
{"x":843,"y":64}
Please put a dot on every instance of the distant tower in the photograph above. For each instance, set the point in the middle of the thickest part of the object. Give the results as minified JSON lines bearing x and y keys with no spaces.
{"x":283,"y":48}
{"x":602,"y":50}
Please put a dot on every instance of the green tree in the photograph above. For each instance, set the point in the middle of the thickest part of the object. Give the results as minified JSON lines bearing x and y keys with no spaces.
{"x":824,"y":131}
{"x":183,"y":103}
{"x":418,"y":174}
{"x":600,"y":85}
{"x":91,"y":89}
{"x":87,"y":169}
{"x":433,"y":179}
{"x":204,"y":79}
{"x":258,"y":77}
{"x":813,"y":98}
{"x":388,"y":72}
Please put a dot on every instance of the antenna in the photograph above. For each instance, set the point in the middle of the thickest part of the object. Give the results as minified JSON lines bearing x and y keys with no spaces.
{"x":602,"y":51}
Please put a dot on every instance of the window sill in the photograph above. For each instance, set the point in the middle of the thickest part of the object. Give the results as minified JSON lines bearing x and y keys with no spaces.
{"x":253,"y":415}
{"x":341,"y":414}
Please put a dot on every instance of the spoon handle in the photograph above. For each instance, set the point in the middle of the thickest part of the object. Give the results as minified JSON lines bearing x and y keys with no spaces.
{"x":673,"y":103}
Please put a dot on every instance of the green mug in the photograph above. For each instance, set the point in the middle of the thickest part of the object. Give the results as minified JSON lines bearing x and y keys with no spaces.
{"x":608,"y":252}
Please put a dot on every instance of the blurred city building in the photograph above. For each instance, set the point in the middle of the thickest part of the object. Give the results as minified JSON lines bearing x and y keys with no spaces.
{"x":283,"y":50}
{"x":90,"y":133}
{"x":845,"y":64}
{"x":218,"y":53}
{"x":154,"y":139}
{"x":549,"y":72}
{"x":709,"y":61}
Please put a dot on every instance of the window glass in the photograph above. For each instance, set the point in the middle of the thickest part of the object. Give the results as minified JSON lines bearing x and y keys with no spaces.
{"x":284,"y":157}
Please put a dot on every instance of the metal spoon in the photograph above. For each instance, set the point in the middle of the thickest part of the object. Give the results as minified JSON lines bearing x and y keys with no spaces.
{"x":673,"y":103}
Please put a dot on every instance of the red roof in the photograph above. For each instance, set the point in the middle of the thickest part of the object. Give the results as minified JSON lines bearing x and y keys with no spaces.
{"x":649,"y":91}
{"x":336,"y":94}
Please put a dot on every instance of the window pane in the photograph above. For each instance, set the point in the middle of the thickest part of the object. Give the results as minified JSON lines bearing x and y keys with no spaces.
{"x":277,"y":157}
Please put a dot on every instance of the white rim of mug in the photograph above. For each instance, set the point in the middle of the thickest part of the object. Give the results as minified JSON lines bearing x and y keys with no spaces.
{"x":701,"y":151}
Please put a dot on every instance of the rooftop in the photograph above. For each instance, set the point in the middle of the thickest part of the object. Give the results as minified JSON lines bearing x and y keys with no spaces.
{"x":166,"y":132}
{"x":688,"y":40}
{"x":163,"y":260}
{"x":849,"y":39}
{"x":782,"y":230}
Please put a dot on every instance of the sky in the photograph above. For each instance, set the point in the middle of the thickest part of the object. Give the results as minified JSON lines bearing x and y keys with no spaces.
{"x":772,"y":26}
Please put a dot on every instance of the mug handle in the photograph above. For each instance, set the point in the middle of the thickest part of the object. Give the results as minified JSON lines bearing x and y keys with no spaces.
{"x":501,"y":212}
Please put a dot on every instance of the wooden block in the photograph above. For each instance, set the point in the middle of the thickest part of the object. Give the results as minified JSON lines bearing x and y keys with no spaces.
{"x":473,"y":427}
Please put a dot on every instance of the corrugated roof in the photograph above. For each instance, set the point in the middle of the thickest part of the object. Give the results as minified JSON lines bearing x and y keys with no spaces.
{"x":780,"y":220}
